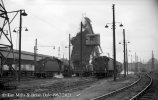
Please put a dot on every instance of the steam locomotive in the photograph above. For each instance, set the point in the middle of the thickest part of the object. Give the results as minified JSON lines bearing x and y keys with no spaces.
{"x":103,"y":66}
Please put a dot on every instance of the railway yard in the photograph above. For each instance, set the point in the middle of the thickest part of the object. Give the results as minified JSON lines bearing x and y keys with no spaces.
{"x":73,"y":88}
{"x":86,"y":71}
{"x":85,"y":88}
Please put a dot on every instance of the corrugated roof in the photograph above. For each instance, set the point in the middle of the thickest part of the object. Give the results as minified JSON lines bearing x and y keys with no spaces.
{"x":24,"y":54}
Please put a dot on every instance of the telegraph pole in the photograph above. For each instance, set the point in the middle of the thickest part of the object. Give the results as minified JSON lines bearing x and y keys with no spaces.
{"x":59,"y":51}
{"x":126,"y":59}
{"x":152,"y":60}
{"x":114,"y":48}
{"x":124,"y":52}
{"x":131,"y":63}
{"x":35,"y":54}
{"x":69,"y":50}
{"x":135,"y":62}
{"x":19,"y":74}
{"x":81,"y":50}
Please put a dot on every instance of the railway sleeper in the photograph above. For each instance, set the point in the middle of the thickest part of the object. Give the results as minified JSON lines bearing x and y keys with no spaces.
{"x":145,"y":98}
{"x":149,"y":93}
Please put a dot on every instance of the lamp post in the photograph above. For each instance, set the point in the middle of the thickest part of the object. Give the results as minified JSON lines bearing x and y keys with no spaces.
{"x":17,"y":30}
{"x":36,"y":50}
{"x":136,"y":63}
{"x":124,"y":52}
{"x":131,"y":63}
{"x":69,"y":50}
{"x":22,"y":13}
{"x":127,"y":56}
{"x":81,"y":49}
{"x":114,"y":47}
{"x":39,"y":45}
{"x":35,"y":55}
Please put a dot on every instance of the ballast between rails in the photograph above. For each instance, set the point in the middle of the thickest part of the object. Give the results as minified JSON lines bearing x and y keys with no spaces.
{"x":141,"y":92}
{"x":113,"y":92}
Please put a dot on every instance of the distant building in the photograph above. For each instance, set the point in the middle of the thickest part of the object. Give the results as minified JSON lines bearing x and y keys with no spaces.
{"x":27,"y":60}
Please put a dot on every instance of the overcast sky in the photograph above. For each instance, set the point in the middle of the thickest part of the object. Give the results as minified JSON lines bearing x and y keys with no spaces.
{"x":50,"y":21}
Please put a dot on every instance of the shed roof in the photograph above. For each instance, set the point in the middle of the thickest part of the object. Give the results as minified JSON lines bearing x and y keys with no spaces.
{"x":24,"y":54}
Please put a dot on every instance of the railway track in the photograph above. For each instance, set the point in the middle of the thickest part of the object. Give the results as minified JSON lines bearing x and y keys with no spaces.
{"x":146,"y":93}
{"x":59,"y":87}
{"x":62,"y":87}
{"x":129,"y":91}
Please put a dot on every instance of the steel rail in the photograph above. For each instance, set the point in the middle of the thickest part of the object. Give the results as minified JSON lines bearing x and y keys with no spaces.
{"x":116,"y":91}
{"x":143,"y":91}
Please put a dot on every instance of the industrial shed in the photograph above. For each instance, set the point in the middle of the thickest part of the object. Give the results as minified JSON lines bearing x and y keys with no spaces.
{"x":27,"y":60}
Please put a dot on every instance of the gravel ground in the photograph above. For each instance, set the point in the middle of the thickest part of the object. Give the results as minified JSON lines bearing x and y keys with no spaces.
{"x":46,"y":89}
{"x":43,"y":87}
{"x":100,"y":88}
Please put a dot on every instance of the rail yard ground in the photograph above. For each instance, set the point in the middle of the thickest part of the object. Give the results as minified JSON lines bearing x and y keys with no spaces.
{"x":101,"y":88}
{"x":75,"y":88}
{"x":154,"y":86}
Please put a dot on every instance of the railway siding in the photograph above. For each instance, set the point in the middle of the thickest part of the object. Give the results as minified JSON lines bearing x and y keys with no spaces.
{"x":100,"y":88}
{"x":148,"y":85}
{"x":129,"y":91}
{"x":79,"y":88}
{"x":151,"y":91}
